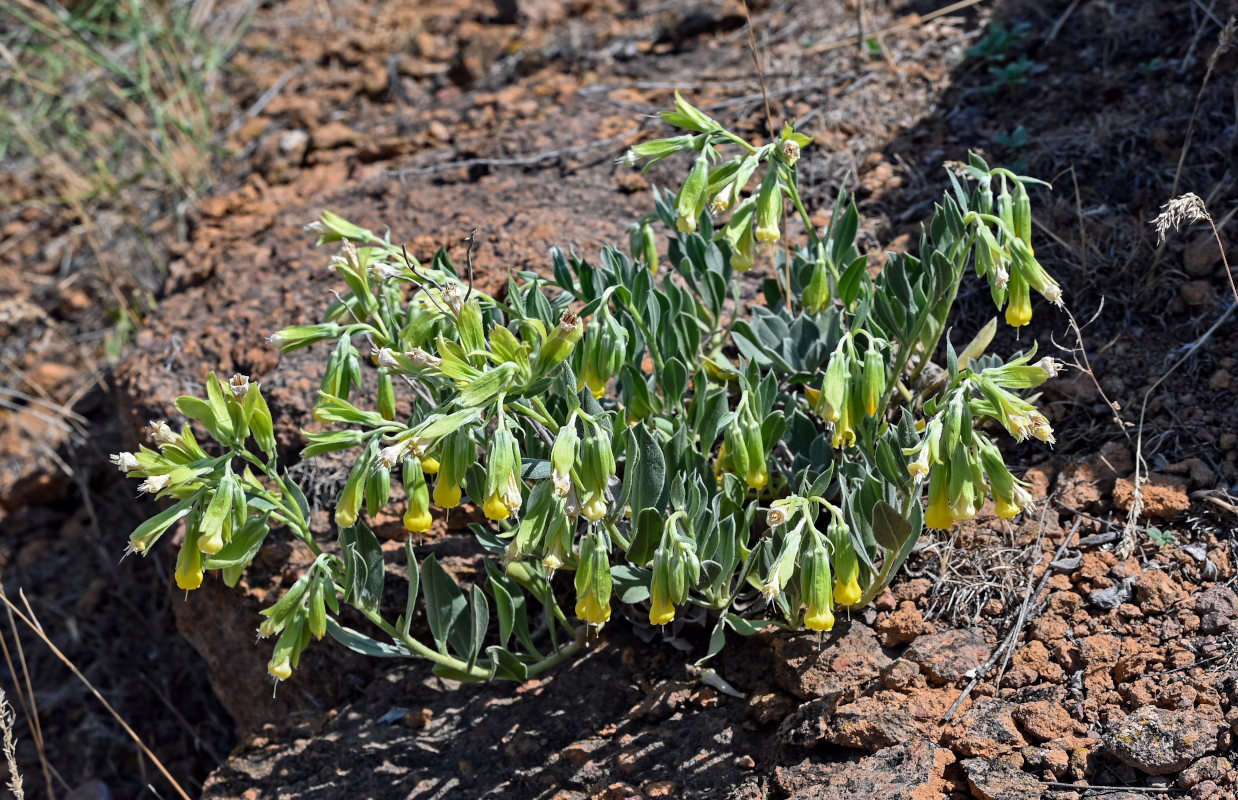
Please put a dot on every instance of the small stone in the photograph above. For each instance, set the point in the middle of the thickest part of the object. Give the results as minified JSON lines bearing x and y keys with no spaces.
{"x":987,"y":730}
{"x":903,"y":625}
{"x":1156,"y":592}
{"x":1195,"y":293}
{"x":995,"y":779}
{"x":1220,"y":380}
{"x":1208,"y":768}
{"x":1164,"y":496}
{"x":911,"y":770}
{"x":948,"y":656}
{"x":1201,"y":256}
{"x":808,"y":670}
{"x":1159,"y":742}
{"x":1043,"y":720}
{"x":887,"y":718}
{"x":332,"y":135}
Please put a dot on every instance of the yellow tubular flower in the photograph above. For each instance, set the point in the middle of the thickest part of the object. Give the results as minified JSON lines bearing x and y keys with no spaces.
{"x":429,"y":465}
{"x":417,"y":520}
{"x":849,"y":593}
{"x":189,"y":566}
{"x":494,"y":508}
{"x":446,"y":495}
{"x":1005,"y":510}
{"x":1019,"y":311}
{"x":661,"y":611}
{"x":591,"y":611}
{"x":280,"y":670}
{"x":819,"y":619}
{"x":938,"y":515}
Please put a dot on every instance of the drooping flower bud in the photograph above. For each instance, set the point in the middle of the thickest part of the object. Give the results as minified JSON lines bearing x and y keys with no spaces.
{"x":769,"y":209}
{"x":847,"y":591}
{"x":417,"y":516}
{"x":593,"y":581}
{"x":815,"y":587}
{"x":937,"y":515}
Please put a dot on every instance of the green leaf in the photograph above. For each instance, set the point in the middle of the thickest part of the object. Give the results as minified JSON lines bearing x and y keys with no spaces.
{"x":360,"y":643}
{"x":510,"y":605}
{"x":648,"y":475}
{"x":200,"y":410}
{"x":446,"y":607}
{"x":414,"y":581}
{"x":481,"y":621}
{"x":146,"y":534}
{"x":506,"y":665}
{"x":890,"y":529}
{"x":363,"y":566}
{"x":745,"y":627}
{"x":219,"y":409}
{"x":631,"y":583}
{"x":674,"y":379}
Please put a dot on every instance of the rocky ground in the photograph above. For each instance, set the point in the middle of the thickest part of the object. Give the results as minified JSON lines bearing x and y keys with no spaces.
{"x":1009,"y":661}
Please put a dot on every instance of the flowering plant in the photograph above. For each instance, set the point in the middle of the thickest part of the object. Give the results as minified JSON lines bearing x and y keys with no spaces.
{"x":671,"y":446}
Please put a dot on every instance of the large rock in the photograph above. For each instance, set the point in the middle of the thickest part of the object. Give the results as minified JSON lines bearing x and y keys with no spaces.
{"x":912,"y":770}
{"x":844,"y":663}
{"x":1159,"y":741}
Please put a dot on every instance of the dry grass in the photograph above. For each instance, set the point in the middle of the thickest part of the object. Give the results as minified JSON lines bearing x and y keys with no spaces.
{"x":109,"y":115}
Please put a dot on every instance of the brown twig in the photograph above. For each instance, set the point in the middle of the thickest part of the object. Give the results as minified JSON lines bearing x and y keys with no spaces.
{"x":27,"y":698}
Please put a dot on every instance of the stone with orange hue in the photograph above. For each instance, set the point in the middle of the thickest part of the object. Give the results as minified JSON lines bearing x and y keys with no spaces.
{"x":903,"y":625}
{"x":1164,"y":496}
{"x":887,"y":718}
{"x":1043,"y":720}
{"x":910,"y":770}
{"x":987,"y":730}
{"x":948,"y":656}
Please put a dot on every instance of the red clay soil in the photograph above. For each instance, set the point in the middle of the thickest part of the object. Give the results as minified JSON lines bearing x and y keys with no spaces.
{"x":1008,"y":660}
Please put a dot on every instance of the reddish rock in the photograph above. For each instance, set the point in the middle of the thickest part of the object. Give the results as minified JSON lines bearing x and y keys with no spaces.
{"x":1164,"y":496}
{"x":332,"y":135}
{"x":1217,"y":607}
{"x":948,"y":656}
{"x":1217,"y":769}
{"x":1155,"y":591}
{"x":808,"y":669}
{"x":912,"y":770}
{"x":887,"y":718}
{"x":1043,"y":720}
{"x":903,"y":625}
